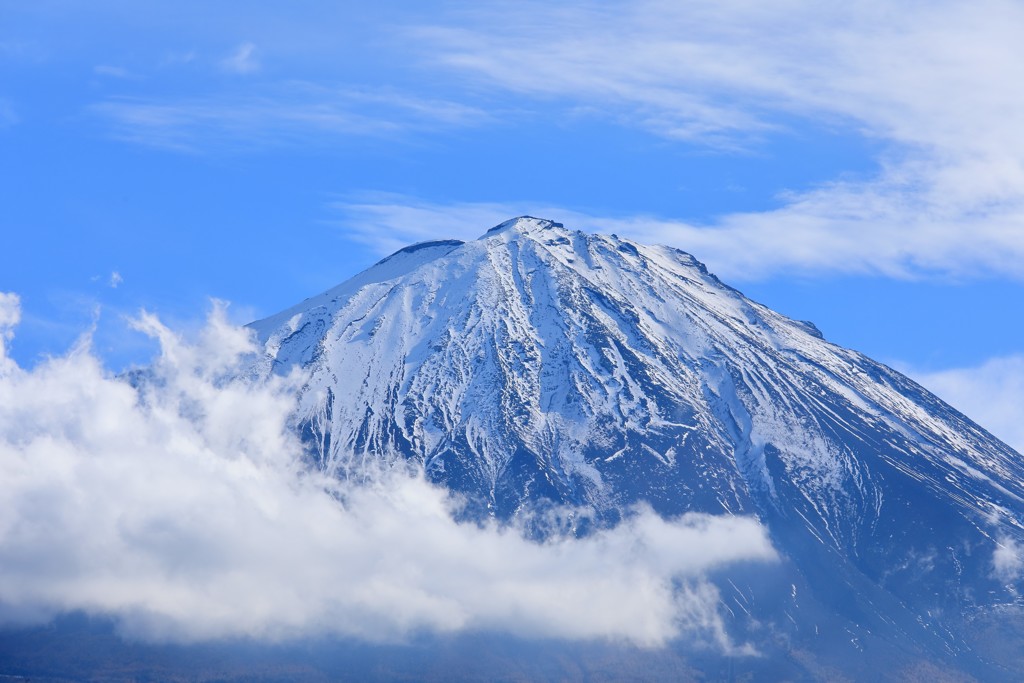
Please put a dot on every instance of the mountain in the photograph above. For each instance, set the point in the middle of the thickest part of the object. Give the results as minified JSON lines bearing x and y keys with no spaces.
{"x":540,"y":367}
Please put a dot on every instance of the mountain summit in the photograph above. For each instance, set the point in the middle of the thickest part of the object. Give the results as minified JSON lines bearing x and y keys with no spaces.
{"x":542,"y":367}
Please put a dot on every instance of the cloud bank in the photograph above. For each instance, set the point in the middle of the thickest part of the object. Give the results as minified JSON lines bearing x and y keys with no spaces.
{"x":181,"y":507}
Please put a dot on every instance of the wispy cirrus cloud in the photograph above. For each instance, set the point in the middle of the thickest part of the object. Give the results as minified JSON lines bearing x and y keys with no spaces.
{"x":296,"y":112}
{"x":799,"y":238}
{"x":243,"y":60}
{"x":930,"y":85}
{"x":110,"y":71}
{"x":928,"y":82}
{"x":920,"y":73}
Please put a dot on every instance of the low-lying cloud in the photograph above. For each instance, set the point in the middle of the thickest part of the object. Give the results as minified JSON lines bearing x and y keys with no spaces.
{"x":1008,"y":560}
{"x":181,"y":507}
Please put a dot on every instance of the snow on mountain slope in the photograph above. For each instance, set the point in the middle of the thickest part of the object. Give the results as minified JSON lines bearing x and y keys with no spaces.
{"x":541,"y":366}
{"x":544,"y":344}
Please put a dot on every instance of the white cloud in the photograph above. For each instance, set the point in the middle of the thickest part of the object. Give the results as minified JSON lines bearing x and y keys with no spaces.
{"x":242,"y":61}
{"x":991,"y":394}
{"x":178,"y":58}
{"x":10,"y":313}
{"x":933,"y":83}
{"x":920,"y":74}
{"x":1008,"y":560}
{"x":281,"y":114}
{"x":182,"y":509}
{"x":10,"y":316}
{"x":115,"y":279}
{"x":112,"y":71}
{"x":387,"y":222}
{"x":737,"y":247}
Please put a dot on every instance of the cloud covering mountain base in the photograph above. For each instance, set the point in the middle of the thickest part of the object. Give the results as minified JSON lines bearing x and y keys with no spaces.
{"x":181,"y":506}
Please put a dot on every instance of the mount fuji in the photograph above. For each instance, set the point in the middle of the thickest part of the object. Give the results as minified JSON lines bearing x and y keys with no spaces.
{"x":544,"y":373}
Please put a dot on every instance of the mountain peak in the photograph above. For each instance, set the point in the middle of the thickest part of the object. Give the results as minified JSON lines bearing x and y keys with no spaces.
{"x":523,"y":224}
{"x":541,"y":368}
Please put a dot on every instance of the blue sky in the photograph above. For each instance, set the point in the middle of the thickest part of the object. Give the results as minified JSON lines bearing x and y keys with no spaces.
{"x":861,"y":167}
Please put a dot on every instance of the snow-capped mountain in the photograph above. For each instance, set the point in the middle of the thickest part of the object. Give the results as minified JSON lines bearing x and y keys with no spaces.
{"x":543,"y":366}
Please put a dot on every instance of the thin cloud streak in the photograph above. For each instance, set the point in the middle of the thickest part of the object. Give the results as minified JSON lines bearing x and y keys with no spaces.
{"x":297,"y":112}
{"x":242,"y":61}
{"x":113,"y":72}
{"x":822,"y":232}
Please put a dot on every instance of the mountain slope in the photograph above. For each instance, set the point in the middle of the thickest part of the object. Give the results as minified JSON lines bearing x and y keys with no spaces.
{"x":540,"y":366}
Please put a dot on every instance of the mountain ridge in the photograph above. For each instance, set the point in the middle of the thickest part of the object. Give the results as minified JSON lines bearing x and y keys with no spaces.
{"x":544,"y":367}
